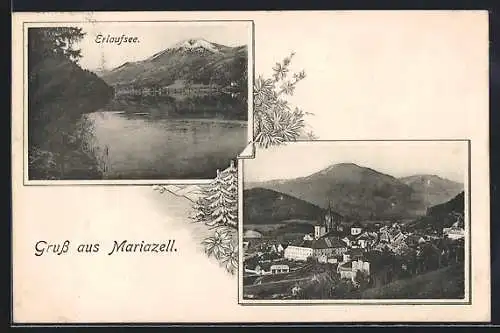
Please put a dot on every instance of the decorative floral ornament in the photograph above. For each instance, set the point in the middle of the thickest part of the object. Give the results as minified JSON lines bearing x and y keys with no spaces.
{"x":230,"y":259}
{"x":274,"y":122}
{"x":218,"y":245}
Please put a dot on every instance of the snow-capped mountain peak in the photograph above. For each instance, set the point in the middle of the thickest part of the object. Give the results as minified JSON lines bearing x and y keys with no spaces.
{"x":192,"y":44}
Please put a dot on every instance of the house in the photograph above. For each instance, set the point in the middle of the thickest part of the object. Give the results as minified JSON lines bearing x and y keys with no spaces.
{"x":323,"y":259}
{"x":381,"y":247}
{"x":276,"y":248}
{"x":366,"y":240}
{"x":356,"y":229}
{"x":454,"y":232}
{"x":415,"y":240}
{"x":356,"y":253}
{"x":280,"y":248}
{"x":298,"y":252}
{"x":362,"y":241}
{"x":263,"y":268}
{"x":384,"y":236}
{"x":350,"y":241}
{"x":308,"y":237}
{"x":249,"y":234}
{"x":349,"y":270}
{"x":319,"y":231}
{"x":328,"y":246}
{"x":334,"y":260}
{"x":277,"y":269}
{"x":296,"y":289}
{"x":395,"y":235}
{"x":392,"y":234}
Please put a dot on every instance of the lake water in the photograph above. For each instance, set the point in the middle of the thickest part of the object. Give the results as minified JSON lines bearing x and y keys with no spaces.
{"x":143,"y":146}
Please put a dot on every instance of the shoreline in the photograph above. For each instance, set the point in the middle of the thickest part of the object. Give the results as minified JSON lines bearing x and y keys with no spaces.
{"x":175,"y":118}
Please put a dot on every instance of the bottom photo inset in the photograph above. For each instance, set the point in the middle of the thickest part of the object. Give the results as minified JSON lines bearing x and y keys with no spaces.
{"x":356,"y":222}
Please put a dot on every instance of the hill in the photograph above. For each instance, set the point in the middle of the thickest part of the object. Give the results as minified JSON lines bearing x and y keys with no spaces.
{"x":60,"y":93}
{"x":264,"y":206}
{"x":193,"y":60}
{"x":445,"y":283}
{"x":442,"y":215}
{"x":354,"y":191}
{"x":433,"y":189}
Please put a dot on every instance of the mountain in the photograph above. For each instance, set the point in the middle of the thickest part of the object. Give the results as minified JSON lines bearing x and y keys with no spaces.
{"x":194,"y":60}
{"x":354,"y":191}
{"x":433,"y":189}
{"x":456,"y":205}
{"x":443,"y":215}
{"x":264,"y":206}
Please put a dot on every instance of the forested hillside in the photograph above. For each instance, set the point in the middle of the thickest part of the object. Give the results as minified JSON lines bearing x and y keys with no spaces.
{"x":60,"y":92}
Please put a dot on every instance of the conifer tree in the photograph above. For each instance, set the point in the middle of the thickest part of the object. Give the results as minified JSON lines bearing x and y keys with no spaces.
{"x":218,"y":206}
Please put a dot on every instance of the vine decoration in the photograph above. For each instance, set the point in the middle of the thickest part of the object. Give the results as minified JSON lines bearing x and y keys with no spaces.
{"x":276,"y":122}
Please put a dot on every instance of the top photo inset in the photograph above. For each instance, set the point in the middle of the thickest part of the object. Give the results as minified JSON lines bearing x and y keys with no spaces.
{"x":135,"y":102}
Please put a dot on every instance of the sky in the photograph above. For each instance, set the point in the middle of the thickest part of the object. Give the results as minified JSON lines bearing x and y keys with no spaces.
{"x":446,"y":159}
{"x":153,"y":37}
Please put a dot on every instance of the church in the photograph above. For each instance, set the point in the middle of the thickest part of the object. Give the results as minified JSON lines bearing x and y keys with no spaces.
{"x":329,"y":223}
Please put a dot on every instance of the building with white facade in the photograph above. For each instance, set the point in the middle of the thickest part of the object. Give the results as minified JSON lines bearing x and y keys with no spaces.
{"x":298,"y":252}
{"x":276,"y":269}
{"x":454,"y":232}
{"x":356,"y":229}
{"x":349,"y":269}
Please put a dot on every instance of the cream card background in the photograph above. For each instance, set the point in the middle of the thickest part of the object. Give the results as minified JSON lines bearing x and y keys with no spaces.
{"x":370,"y":75}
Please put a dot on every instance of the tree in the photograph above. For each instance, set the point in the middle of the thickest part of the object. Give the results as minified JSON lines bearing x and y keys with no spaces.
{"x":218,"y":208}
{"x":218,"y":205}
{"x":54,"y":41}
{"x":345,"y":289}
{"x":362,"y":279}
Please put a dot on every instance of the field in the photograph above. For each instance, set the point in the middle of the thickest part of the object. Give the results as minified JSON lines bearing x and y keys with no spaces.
{"x":445,"y":283}
{"x":266,"y":290}
{"x":286,"y":227}
{"x":262,"y":228}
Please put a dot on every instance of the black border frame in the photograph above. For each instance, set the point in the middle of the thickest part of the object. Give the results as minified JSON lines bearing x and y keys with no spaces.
{"x":373,"y":302}
{"x":129,"y":182}
{"x":150,"y":5}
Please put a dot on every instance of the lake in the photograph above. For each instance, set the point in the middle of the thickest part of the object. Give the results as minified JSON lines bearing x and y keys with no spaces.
{"x":147,"y":146}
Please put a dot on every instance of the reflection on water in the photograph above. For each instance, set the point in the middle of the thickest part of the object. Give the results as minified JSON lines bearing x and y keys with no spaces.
{"x":143,"y":146}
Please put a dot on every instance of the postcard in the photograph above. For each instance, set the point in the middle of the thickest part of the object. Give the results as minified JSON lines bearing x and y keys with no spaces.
{"x":250,"y":167}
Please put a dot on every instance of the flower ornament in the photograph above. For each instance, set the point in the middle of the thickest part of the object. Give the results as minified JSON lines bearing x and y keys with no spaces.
{"x":230,"y":259}
{"x":280,"y":71}
{"x":288,"y":88}
{"x":218,"y":244}
{"x":274,"y":121}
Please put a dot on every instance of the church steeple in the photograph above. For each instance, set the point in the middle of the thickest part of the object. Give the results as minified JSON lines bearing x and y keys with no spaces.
{"x":330,"y":219}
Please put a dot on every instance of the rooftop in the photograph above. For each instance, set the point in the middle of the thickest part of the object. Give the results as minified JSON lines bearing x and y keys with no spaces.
{"x":346,"y":266}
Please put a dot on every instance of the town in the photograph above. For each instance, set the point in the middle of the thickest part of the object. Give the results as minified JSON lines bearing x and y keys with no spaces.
{"x":342,"y":260}
{"x":178,"y":88}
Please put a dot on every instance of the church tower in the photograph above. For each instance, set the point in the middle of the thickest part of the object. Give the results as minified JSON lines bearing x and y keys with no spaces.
{"x":329,"y":220}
